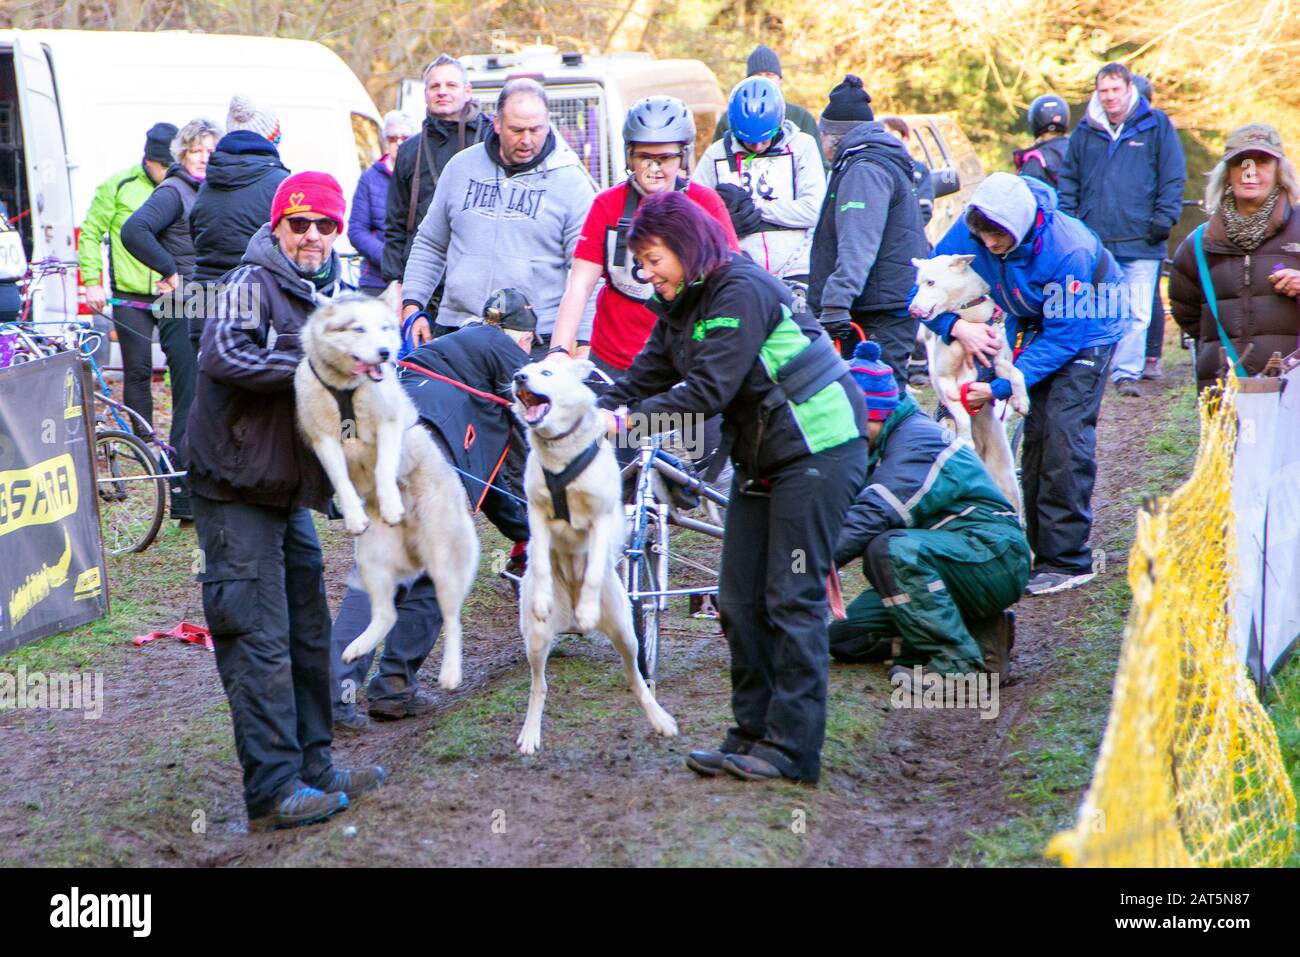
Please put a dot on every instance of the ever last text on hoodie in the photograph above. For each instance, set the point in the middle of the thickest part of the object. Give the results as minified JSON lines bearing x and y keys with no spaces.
{"x":489,"y":228}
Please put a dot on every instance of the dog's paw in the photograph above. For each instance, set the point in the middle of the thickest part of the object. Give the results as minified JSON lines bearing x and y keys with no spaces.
{"x":541,"y":610}
{"x":449,"y":674}
{"x":663,"y":723}
{"x":355,"y":650}
{"x":391,"y":510}
{"x":355,"y":522}
{"x":529,"y":740}
{"x":1020,"y":404}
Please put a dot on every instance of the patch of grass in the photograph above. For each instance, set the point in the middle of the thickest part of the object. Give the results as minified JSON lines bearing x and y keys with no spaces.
{"x":1284,"y":709}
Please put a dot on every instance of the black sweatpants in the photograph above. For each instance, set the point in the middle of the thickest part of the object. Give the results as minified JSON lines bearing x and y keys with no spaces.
{"x":1059,"y":462}
{"x":135,"y":339}
{"x":896,"y":336}
{"x":776,"y":553}
{"x":263,"y":581}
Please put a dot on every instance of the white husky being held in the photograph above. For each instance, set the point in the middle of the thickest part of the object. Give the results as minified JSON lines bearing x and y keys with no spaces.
{"x":572,"y":574}
{"x":396,"y":491}
{"x":948,"y":284}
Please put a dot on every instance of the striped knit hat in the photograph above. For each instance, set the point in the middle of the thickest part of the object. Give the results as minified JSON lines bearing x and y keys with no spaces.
{"x":879,"y":387}
{"x":244,"y":114}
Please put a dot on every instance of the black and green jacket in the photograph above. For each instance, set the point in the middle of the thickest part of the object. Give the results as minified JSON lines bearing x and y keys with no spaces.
{"x":920,"y":475}
{"x":718,"y":348}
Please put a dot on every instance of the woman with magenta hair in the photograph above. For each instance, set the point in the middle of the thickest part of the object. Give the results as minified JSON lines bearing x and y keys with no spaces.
{"x":794,"y":423}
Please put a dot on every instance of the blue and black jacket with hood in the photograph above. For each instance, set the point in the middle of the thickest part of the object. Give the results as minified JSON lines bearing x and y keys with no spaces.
{"x":1059,"y":286}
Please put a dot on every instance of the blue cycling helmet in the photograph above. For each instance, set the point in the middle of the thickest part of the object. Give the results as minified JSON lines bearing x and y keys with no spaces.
{"x":756,"y":109}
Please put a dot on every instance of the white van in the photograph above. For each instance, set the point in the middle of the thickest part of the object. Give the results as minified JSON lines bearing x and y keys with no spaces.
{"x":590,"y":96}
{"x":75,"y":106}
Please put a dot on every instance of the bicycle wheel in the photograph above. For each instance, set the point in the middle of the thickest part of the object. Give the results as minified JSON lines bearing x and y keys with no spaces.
{"x":131,"y":505}
{"x":645,"y":616}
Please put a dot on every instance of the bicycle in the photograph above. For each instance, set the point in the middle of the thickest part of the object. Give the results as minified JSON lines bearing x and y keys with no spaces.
{"x":132,"y":473}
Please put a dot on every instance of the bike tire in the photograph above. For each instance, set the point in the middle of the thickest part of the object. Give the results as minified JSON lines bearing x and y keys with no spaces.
{"x":130,"y":513}
{"x":646,"y":618}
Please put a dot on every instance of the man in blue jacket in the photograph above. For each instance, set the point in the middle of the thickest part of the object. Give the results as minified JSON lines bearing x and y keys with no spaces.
{"x":1123,"y":175}
{"x":1059,"y":288}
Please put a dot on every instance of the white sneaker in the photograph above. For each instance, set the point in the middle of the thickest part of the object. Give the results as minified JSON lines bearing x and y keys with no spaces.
{"x":1049,"y":583}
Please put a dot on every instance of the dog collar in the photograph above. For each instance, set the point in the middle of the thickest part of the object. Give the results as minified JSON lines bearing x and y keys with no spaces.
{"x":997,"y":310}
{"x":558,"y":482}
{"x":342,"y":398}
{"x":974,"y":302}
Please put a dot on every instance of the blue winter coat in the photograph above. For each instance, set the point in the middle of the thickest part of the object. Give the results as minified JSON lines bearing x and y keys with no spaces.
{"x":1045,"y":283}
{"x":366,"y":227}
{"x":1129,"y":190}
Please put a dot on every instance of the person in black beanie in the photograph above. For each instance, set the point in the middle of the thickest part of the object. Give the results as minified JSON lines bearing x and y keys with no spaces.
{"x":869,"y":230}
{"x":763,"y":61}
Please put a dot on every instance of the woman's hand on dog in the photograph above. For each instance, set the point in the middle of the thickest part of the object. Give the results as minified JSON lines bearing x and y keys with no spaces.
{"x":977,"y":395}
{"x":980,"y":340}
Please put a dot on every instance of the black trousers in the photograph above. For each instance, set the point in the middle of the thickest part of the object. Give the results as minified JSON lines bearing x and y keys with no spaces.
{"x":419,"y":619}
{"x":135,"y":339}
{"x":776,"y":554}
{"x":896,"y":336}
{"x":1156,"y":330}
{"x":1059,"y":461}
{"x":263,"y":581}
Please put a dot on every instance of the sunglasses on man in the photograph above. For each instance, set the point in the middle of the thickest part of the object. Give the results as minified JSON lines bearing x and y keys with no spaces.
{"x":300,"y":224}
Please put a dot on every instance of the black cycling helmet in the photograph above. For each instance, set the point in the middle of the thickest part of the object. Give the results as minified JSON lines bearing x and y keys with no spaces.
{"x":1049,"y":112}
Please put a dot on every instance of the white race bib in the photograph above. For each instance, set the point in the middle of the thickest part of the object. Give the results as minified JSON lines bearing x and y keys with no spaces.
{"x":767,"y":179}
{"x":13,"y":261}
{"x":627,"y":279}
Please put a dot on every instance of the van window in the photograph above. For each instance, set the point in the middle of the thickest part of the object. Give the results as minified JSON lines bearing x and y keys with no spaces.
{"x":925,"y":133}
{"x":365,"y":133}
{"x":579,"y":116}
{"x":964,"y":157}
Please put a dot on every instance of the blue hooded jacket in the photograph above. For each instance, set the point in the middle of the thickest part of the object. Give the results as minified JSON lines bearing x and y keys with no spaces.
{"x":1045,"y":285}
{"x":1128,"y":189}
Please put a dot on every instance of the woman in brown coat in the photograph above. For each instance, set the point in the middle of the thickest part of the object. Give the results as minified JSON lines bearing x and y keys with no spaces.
{"x":1252,"y":248}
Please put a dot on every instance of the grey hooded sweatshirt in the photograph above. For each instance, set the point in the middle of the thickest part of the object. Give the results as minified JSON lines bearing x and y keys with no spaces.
{"x":486,"y":230}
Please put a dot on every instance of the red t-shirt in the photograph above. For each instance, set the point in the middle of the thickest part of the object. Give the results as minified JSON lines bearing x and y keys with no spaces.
{"x":622,"y":324}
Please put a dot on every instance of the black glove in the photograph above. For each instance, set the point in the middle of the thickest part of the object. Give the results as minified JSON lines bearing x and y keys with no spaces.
{"x":1157,"y":234}
{"x":745,"y":217}
{"x":836,"y":323}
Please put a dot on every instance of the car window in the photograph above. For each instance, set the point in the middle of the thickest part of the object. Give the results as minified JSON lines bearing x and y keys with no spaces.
{"x":925,"y":133}
{"x":963,"y":154}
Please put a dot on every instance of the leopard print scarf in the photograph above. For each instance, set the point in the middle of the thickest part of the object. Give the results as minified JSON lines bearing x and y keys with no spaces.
{"x":1247,"y":232}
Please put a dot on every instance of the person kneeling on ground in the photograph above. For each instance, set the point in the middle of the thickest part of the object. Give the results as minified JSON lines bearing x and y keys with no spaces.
{"x":944,"y":555}
{"x":476,"y":436}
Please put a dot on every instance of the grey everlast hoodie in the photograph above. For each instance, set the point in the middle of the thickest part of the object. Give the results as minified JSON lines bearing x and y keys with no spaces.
{"x":486,"y":230}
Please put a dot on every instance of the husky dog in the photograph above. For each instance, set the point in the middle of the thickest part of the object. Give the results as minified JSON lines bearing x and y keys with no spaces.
{"x":948,"y":284}
{"x":576,"y":528}
{"x":397,"y":493}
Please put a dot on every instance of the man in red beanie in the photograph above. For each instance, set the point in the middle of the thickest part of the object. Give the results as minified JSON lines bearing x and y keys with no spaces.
{"x":253,"y":481}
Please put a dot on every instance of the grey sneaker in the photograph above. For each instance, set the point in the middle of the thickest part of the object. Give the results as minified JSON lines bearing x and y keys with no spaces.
{"x":302,"y":805}
{"x":417,"y":704}
{"x":1049,"y":583}
{"x":353,"y":782}
{"x":355,"y":723}
{"x":1152,"y":369}
{"x":1128,"y":387}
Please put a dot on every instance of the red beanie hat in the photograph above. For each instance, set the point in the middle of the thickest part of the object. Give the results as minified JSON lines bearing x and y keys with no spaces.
{"x":309,"y":192}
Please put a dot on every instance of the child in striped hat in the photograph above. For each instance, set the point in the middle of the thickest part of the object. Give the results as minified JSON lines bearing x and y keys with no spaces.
{"x":877,"y":381}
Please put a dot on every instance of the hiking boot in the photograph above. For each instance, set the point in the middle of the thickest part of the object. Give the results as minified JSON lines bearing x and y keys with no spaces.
{"x":355,"y":723}
{"x":1049,"y":583}
{"x":389,"y":709}
{"x":1128,"y":387}
{"x":995,"y":636}
{"x":1152,"y":369}
{"x":748,"y":767}
{"x":353,"y":782}
{"x":302,"y":805}
{"x":707,"y":764}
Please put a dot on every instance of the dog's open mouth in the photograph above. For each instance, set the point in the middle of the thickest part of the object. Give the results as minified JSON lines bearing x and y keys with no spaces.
{"x":372,"y":369}
{"x":535,"y":405}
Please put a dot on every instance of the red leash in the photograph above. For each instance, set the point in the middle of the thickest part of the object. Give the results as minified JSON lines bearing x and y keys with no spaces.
{"x":963,"y":392}
{"x":460,"y":385}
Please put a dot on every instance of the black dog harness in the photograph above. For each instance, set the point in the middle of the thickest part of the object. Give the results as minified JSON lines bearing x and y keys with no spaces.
{"x":342,"y":397}
{"x":558,"y":482}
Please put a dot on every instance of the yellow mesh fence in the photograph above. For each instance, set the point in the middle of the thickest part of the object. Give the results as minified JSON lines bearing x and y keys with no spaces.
{"x":1189,"y":773}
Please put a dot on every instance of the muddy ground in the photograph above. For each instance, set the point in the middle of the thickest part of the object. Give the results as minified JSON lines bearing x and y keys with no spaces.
{"x":155,"y":780}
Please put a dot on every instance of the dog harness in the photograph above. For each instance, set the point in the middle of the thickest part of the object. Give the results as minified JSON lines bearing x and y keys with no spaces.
{"x":342,"y":397}
{"x":558,"y":482}
{"x":982,"y":373}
